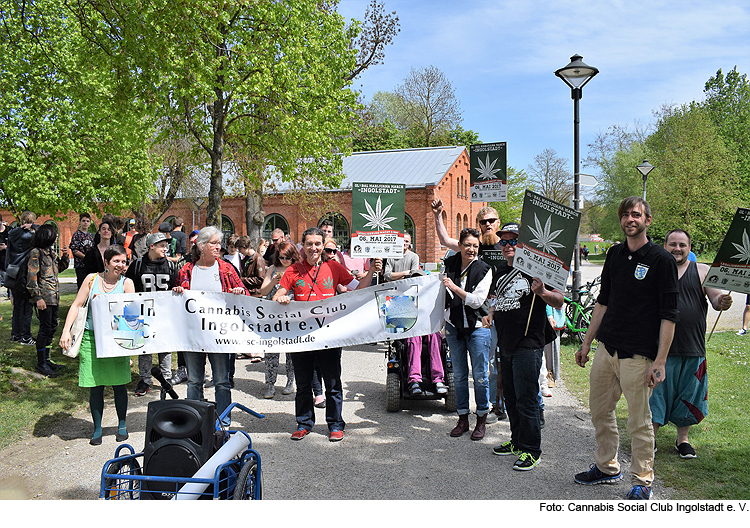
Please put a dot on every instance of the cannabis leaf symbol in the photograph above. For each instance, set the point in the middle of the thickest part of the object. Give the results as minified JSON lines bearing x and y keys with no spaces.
{"x":377,"y":218}
{"x":744,"y":249}
{"x":486,"y":170}
{"x":544,"y":239}
{"x":328,"y":283}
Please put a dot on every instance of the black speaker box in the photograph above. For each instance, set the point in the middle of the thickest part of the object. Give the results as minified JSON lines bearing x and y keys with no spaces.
{"x":179,"y":440}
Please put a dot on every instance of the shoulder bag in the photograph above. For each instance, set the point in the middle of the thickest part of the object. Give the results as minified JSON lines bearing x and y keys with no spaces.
{"x":78,"y":326}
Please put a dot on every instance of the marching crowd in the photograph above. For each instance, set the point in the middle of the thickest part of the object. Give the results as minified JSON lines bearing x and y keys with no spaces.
{"x":500,"y":325}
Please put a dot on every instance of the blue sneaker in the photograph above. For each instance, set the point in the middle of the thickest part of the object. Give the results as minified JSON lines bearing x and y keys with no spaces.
{"x":594,"y":476}
{"x":640,"y":493}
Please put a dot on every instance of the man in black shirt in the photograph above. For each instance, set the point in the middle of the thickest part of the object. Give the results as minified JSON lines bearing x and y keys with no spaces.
{"x":682,"y":398}
{"x":633,"y":320}
{"x":149,"y":273}
{"x":518,"y":308}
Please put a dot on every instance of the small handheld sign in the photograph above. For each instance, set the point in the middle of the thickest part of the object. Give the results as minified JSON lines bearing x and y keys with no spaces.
{"x":378,"y":220}
{"x":488,"y":173}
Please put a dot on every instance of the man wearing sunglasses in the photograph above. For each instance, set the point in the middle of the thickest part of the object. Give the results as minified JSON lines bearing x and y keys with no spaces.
{"x":489,"y":222}
{"x":518,"y":307}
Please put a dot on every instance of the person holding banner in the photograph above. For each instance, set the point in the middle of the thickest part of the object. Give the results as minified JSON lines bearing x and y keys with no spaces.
{"x":313,"y":279}
{"x":93,"y":372}
{"x":519,"y":310}
{"x":682,"y":398}
{"x":209,"y":273}
{"x":633,"y":320}
{"x":488,"y":221}
{"x":468,"y":281}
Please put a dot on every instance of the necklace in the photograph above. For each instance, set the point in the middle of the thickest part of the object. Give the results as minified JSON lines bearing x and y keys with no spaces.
{"x":108,"y":286}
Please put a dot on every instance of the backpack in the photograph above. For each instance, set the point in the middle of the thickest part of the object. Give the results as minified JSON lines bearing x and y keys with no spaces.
{"x":16,"y":274}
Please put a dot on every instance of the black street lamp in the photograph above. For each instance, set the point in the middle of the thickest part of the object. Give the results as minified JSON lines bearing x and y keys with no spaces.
{"x":644,"y":168}
{"x":576,"y":75}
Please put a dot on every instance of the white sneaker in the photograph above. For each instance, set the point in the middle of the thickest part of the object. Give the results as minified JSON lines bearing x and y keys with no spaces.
{"x":546,"y":392}
{"x":742,"y":332}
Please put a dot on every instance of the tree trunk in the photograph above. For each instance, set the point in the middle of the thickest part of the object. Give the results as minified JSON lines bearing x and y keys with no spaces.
{"x":255,"y":217}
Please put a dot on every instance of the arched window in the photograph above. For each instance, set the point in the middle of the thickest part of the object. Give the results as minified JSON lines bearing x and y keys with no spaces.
{"x":274,"y":221}
{"x":227,"y":227}
{"x":410,"y":228}
{"x":341,"y":230}
{"x":466,"y":221}
{"x":170,"y":220}
{"x":458,"y":226}
{"x":56,"y":245}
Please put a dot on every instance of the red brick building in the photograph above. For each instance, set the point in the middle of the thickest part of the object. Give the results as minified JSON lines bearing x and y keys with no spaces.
{"x":428,"y":173}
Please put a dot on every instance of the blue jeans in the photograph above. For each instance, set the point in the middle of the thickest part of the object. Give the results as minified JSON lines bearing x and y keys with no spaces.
{"x":196,"y":369}
{"x":477,"y":344}
{"x":519,"y":371}
{"x":494,"y":396}
{"x":330,"y":370}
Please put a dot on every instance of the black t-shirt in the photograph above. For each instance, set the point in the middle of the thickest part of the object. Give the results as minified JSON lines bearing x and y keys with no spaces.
{"x":181,"y":239}
{"x":152,"y":275}
{"x":690,"y":332}
{"x":511,"y":298}
{"x":639,"y":290}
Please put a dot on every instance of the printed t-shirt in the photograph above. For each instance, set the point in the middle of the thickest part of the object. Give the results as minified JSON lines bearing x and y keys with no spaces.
{"x":315,"y":282}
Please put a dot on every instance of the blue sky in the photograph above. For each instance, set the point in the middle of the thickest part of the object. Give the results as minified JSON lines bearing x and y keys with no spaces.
{"x":501,"y":57}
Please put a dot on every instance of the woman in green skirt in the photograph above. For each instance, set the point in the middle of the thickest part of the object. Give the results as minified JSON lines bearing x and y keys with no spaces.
{"x":94,"y":372}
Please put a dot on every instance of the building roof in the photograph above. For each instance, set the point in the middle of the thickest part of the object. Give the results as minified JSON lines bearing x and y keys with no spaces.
{"x":416,"y":168}
{"x":413,"y":167}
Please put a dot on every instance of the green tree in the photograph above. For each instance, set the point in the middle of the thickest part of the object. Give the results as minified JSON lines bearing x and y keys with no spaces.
{"x":728,"y":104}
{"x":66,"y":140}
{"x":518,"y":183}
{"x":695,"y":184}
{"x":269,"y":76}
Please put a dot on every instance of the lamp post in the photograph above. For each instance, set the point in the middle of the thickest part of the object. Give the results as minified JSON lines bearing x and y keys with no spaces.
{"x":576,"y":75}
{"x":197,"y":202}
{"x":644,"y":168}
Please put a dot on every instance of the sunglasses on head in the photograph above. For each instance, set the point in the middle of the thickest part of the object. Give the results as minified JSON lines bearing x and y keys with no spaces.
{"x":331,"y":251}
{"x":511,"y":242}
{"x":486,"y":221}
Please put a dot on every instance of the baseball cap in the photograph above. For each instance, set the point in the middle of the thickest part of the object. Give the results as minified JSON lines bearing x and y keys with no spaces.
{"x":131,"y":221}
{"x":510,"y":227}
{"x":194,"y":233}
{"x":155,"y":238}
{"x":165,"y":227}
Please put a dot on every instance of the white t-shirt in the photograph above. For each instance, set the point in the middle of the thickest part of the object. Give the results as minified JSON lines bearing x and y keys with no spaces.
{"x":206,"y":279}
{"x":234,"y":260}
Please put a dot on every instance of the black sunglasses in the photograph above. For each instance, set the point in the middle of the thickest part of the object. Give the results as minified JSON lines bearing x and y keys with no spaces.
{"x":511,"y":242}
{"x":332,"y":251}
{"x":488,"y":221}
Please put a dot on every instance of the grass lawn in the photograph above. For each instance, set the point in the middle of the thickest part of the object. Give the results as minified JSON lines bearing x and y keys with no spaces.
{"x":721,"y":440}
{"x":28,"y":400}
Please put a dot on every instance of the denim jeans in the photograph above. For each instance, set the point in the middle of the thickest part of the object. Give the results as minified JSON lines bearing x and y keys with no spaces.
{"x":494,"y":396}
{"x":474,"y":346}
{"x":48,"y":322}
{"x":330,"y":370}
{"x":196,"y":369}
{"x":519,"y":370}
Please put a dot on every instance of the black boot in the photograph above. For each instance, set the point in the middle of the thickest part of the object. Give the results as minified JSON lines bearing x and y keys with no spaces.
{"x":53,"y":366}
{"x":42,"y":367}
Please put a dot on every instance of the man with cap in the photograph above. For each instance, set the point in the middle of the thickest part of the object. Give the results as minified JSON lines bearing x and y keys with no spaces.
{"x":518,"y":308}
{"x":173,"y":246}
{"x":149,"y":273}
{"x":129,"y":237}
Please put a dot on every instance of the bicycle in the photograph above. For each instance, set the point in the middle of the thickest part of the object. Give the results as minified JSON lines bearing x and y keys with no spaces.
{"x":578,"y":313}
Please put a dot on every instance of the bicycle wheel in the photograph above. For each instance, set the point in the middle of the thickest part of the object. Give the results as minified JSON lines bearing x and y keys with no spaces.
{"x":248,"y":482}
{"x":123,"y":488}
{"x":582,"y":323}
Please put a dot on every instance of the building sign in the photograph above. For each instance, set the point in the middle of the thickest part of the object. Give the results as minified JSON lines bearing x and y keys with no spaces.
{"x":378,"y":220}
{"x":488,"y":172}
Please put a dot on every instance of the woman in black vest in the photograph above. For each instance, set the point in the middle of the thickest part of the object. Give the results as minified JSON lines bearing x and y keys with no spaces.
{"x":468,"y":282}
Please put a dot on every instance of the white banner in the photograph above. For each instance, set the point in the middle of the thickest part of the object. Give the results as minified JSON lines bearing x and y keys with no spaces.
{"x":147,"y":323}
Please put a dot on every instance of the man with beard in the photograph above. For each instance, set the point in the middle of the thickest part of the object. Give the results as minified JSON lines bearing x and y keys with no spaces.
{"x":149,"y":273}
{"x":633,"y":320}
{"x":682,"y":397}
{"x":489,"y":222}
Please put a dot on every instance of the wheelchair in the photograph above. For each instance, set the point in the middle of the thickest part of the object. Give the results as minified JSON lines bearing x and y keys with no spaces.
{"x":398,"y":372}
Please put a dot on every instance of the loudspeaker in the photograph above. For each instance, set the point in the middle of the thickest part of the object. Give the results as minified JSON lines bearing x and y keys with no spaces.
{"x":179,"y":440}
